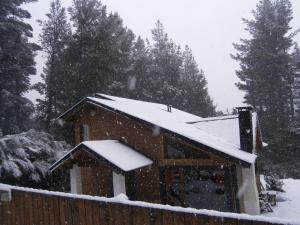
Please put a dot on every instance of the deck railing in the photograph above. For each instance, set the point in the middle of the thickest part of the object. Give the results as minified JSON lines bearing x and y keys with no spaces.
{"x":24,"y":206}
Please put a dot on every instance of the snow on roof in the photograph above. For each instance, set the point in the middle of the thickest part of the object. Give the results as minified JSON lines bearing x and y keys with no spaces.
{"x":225,"y":127}
{"x":117,"y":153}
{"x":179,"y":122}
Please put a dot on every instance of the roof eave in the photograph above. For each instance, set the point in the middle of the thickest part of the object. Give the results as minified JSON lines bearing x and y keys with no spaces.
{"x":67,"y":114}
{"x":81,"y":146}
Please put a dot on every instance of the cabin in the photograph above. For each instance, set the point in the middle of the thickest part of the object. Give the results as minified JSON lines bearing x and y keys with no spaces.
{"x":156,"y":153}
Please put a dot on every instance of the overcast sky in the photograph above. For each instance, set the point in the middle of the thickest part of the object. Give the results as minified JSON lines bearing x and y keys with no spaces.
{"x":208,"y":27}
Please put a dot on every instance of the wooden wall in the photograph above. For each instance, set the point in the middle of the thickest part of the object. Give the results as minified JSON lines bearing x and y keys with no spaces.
{"x":147,"y":184}
{"x":104,"y":124}
{"x":34,"y":208}
{"x":97,"y":180}
{"x":141,"y":184}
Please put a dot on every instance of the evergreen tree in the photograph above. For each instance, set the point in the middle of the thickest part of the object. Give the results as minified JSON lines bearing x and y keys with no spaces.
{"x":195,"y":98}
{"x":161,"y":72}
{"x":165,"y":70}
{"x":267,"y":76}
{"x":16,"y":65}
{"x":25,"y":158}
{"x":174,"y":77}
{"x":265,"y":68}
{"x":56,"y":33}
{"x":98,"y":57}
{"x":139,"y":71}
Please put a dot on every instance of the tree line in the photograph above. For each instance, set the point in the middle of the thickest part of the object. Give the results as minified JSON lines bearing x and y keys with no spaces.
{"x":94,"y":52}
{"x":89,"y":50}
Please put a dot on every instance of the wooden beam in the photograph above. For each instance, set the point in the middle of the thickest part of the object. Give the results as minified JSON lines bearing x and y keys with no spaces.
{"x":194,"y":162}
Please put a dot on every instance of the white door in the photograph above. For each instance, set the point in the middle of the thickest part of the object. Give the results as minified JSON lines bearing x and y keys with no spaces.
{"x":119,"y":184}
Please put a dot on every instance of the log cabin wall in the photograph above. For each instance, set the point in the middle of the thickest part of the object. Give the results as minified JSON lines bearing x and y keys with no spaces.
{"x":97,"y":180}
{"x":104,"y":124}
{"x":142,"y":184}
{"x":147,"y":184}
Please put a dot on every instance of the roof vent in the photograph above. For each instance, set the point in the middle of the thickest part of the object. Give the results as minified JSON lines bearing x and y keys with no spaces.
{"x":169,"y":108}
{"x":245,"y":124}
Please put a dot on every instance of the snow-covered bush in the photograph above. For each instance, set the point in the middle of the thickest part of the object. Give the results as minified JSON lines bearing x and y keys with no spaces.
{"x":25,"y":158}
{"x":264,"y":204}
{"x":273,"y":182}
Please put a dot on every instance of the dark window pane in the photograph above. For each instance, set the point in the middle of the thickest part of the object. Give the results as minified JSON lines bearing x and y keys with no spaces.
{"x":198,"y":187}
{"x":205,"y":189}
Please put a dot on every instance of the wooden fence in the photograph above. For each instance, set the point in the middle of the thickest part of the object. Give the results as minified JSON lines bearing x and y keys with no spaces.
{"x":29,"y":207}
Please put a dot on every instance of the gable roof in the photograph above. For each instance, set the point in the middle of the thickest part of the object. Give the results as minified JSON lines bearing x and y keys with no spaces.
{"x":112,"y":151}
{"x":185,"y":125}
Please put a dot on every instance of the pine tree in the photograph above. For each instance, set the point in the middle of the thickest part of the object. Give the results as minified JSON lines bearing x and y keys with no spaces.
{"x":196,"y":98}
{"x":16,"y":65}
{"x":98,"y":57}
{"x":56,"y":33}
{"x":25,"y":158}
{"x":165,"y":70}
{"x":139,"y":71}
{"x":174,"y":77}
{"x":265,"y":73}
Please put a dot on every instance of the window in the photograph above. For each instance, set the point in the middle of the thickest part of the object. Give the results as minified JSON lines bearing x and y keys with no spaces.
{"x":198,"y":187}
{"x":177,"y":150}
{"x":84,"y":132}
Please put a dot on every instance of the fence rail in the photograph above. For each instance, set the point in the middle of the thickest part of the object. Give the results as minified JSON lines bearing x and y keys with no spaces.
{"x":29,"y":207}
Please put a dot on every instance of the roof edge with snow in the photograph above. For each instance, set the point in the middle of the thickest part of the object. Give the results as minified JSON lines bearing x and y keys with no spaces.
{"x":114,"y":148}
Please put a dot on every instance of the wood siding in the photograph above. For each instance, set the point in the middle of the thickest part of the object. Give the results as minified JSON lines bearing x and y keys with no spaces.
{"x":37,"y":208}
{"x":147,"y":184}
{"x":104,"y":124}
{"x":97,"y":180}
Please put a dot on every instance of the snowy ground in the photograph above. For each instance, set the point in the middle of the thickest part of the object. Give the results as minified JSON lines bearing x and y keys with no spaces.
{"x":288,"y":204}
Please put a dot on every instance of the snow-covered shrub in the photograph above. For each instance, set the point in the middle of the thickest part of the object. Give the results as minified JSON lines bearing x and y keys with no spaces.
{"x":273,"y":182}
{"x":264,"y":204}
{"x":25,"y":158}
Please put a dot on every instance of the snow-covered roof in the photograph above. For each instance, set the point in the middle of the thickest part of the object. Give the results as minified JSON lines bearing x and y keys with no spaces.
{"x":115,"y":152}
{"x":218,"y":133}
{"x":226,"y":127}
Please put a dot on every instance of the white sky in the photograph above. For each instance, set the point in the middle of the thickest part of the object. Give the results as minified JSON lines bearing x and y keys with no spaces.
{"x":208,"y":27}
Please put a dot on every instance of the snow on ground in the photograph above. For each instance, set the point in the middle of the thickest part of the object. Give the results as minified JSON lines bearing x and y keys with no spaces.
{"x":290,"y":207}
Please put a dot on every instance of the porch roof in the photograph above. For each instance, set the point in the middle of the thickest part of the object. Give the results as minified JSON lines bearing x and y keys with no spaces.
{"x":120,"y":155}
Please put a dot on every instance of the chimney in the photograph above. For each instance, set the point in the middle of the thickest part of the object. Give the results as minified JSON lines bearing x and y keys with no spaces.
{"x":245,"y":125}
